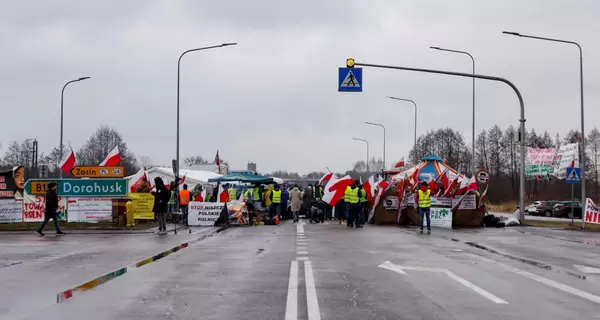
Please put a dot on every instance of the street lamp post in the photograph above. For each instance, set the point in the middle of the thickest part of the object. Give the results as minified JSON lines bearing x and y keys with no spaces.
{"x":473,"y":125}
{"x":178,"y":81}
{"x":582,"y":149}
{"x":178,"y":77}
{"x":62,"y":95}
{"x":415,"y":142}
{"x":367,"y":142}
{"x":521,"y":120}
{"x":380,"y":125}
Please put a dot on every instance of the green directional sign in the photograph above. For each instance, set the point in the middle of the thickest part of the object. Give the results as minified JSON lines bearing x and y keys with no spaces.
{"x":92,"y":187}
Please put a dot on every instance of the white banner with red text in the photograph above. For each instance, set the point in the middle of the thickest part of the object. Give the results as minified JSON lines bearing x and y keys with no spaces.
{"x":11,"y":211}
{"x":34,"y":207}
{"x":592,"y":213}
{"x":203,"y":214}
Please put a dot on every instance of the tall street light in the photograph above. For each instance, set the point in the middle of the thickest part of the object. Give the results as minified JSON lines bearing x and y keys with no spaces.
{"x":415,"y":142}
{"x":367,"y":142}
{"x":473,"y":129}
{"x":178,"y":77}
{"x":380,"y":125}
{"x":62,"y":95}
{"x":582,"y":149}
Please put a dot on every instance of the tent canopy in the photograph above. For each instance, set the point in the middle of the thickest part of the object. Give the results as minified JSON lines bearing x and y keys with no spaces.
{"x":429,"y":168}
{"x":242,"y":177}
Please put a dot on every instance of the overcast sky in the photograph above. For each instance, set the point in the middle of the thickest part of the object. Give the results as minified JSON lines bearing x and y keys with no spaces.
{"x":273,"y":98}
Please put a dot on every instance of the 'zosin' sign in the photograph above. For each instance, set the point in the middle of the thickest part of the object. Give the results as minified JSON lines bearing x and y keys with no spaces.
{"x":592,"y":213}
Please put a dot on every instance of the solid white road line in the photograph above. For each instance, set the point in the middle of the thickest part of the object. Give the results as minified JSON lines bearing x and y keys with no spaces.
{"x":546,"y":281}
{"x":311,"y":293}
{"x":291,"y":307}
{"x":475,"y":288}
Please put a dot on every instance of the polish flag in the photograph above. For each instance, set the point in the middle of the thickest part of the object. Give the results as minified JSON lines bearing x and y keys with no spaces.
{"x":182,"y":180}
{"x":452,"y":185}
{"x":457,"y":205}
{"x":137,"y":179}
{"x":368,"y":186}
{"x":414,"y":178}
{"x":381,"y":187}
{"x":445,"y":181}
{"x":335,"y":189}
{"x":113,"y":158}
{"x":468,"y":185}
{"x":222,"y":196}
{"x":218,"y":161}
{"x":400,"y":163}
{"x":483,"y":198}
{"x":69,"y":163}
{"x":325,"y":178}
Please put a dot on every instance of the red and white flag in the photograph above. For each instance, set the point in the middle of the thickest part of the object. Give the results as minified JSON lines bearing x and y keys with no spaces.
{"x":69,"y":163}
{"x":324,"y":179}
{"x":457,"y":204}
{"x":137,"y":179}
{"x":182,"y":180}
{"x":400,"y":163}
{"x":468,"y":184}
{"x":452,"y":185}
{"x":369,"y":187}
{"x":483,"y":198}
{"x":113,"y":158}
{"x":335,"y":189}
{"x":218,"y":160}
{"x":381,"y":188}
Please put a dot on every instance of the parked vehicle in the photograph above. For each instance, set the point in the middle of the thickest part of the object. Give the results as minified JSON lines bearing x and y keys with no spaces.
{"x":539,"y":208}
{"x":563,"y":209}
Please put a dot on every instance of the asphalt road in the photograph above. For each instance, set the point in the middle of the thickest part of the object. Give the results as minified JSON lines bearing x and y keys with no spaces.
{"x":306,"y":272}
{"x":538,"y":218}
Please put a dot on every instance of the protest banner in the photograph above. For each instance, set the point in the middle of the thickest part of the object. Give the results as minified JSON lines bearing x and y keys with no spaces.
{"x":592,"y":213}
{"x":142,"y":205}
{"x":11,"y":211}
{"x":543,"y":163}
{"x":441,"y":218}
{"x":34,"y":207}
{"x":203,"y":214}
{"x":468,"y":203}
{"x":89,"y":209}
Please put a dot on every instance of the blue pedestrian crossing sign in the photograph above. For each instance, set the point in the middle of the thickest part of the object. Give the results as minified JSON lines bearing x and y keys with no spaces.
{"x":350,"y":80}
{"x":573,"y":175}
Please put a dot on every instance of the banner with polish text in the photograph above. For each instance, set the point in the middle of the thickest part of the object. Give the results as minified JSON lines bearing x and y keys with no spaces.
{"x":592,"y":213}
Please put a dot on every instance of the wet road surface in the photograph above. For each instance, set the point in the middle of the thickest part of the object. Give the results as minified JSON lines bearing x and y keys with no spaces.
{"x":324,"y":271}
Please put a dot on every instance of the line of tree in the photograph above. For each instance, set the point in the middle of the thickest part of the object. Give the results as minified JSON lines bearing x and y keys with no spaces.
{"x":100,"y":143}
{"x":498,"y":152}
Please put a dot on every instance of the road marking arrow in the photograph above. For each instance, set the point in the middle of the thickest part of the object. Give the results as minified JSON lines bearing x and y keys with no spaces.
{"x":586,"y":269}
{"x":400,"y":269}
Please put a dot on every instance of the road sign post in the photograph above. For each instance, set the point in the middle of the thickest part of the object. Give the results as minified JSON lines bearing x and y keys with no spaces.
{"x":574,"y":177}
{"x":98,"y":172}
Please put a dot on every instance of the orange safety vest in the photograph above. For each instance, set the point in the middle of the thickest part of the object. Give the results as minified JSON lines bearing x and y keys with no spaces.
{"x":184,"y":197}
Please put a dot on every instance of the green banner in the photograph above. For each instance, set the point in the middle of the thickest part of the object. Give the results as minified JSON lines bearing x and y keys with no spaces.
{"x":92,"y":187}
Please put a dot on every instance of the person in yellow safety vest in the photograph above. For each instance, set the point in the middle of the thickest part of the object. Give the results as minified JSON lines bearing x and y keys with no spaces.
{"x":340,"y":209}
{"x":246,"y":195}
{"x":423,"y":199}
{"x":364,"y":206}
{"x":255,"y":194}
{"x":353,"y":205}
{"x":275,"y":201}
{"x":232,"y":193}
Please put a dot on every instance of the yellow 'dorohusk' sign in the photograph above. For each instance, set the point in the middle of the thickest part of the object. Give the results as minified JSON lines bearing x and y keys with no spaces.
{"x":142,"y":205}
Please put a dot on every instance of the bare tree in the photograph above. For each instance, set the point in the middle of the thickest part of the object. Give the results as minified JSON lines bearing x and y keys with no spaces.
{"x":482,"y":150}
{"x":194,"y":160}
{"x":494,"y":151}
{"x":100,"y":144}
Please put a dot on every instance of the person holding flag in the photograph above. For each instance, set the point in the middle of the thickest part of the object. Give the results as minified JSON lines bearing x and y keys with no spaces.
{"x":423,"y":200}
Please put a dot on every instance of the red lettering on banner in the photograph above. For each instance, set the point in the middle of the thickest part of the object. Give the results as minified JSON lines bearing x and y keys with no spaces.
{"x":2,"y":185}
{"x":2,"y":179}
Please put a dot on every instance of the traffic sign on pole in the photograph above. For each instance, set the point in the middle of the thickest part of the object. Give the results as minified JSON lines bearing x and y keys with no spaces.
{"x":573,"y":175}
{"x":92,"y":187}
{"x":98,"y":172}
{"x":350,"y":80}
{"x":38,"y":187}
{"x":483,"y":176}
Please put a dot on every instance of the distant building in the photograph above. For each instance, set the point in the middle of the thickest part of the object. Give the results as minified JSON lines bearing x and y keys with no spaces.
{"x":251,"y":166}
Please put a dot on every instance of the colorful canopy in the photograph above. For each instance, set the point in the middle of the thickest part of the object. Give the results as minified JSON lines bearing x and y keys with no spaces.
{"x":429,"y":168}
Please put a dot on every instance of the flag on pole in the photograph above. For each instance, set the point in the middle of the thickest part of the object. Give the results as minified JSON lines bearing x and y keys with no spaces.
{"x":218,"y":161}
{"x":113,"y":158}
{"x":69,"y":163}
{"x":400,"y":163}
{"x":483,"y":197}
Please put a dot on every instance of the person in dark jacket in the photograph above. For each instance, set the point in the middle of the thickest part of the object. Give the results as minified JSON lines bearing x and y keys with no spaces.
{"x":161,"y":202}
{"x":50,"y":211}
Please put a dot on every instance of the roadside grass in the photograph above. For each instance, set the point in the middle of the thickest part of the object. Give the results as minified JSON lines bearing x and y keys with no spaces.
{"x":563,"y":224}
{"x":508,"y":207}
{"x":103,"y":225}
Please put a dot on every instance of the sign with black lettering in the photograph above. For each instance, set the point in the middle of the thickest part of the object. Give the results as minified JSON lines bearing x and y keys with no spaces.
{"x":204,"y":214}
